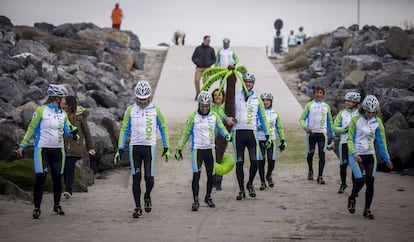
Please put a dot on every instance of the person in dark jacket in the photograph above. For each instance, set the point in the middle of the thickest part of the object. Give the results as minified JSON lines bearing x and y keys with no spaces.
{"x":203,"y":57}
{"x":75,"y":149}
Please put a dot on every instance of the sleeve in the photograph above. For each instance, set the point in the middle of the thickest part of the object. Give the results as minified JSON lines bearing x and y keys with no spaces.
{"x":68,"y":127}
{"x":304,"y":116}
{"x":125,"y":128}
{"x":186,"y":131}
{"x":329,"y":123}
{"x":162,"y":127}
{"x":261,"y":114}
{"x":220,"y":126}
{"x":218,"y":57}
{"x":279,"y":128}
{"x":351,"y":135}
{"x":235,"y":58}
{"x":194,"y":56}
{"x":33,"y":127}
{"x":86,"y":132}
{"x":382,"y":141}
{"x":337,"y":126}
{"x":213,"y":56}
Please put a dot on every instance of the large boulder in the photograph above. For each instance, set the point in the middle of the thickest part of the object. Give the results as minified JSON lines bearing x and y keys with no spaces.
{"x":399,"y":44}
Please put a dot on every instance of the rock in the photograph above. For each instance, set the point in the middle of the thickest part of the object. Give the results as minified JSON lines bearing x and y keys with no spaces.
{"x":400,"y":148}
{"x":360,"y":62}
{"x":397,"y":121}
{"x":5,"y":22}
{"x":399,"y":44}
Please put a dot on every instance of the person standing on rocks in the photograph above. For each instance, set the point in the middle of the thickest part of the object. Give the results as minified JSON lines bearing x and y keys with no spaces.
{"x":316,"y":120}
{"x":249,"y":111}
{"x":117,"y":16}
{"x":202,"y":125}
{"x":203,"y":57}
{"x":48,"y":124}
{"x":365,"y":128}
{"x":142,"y":119}
{"x":341,"y":124}
{"x":275,"y":127}
{"x":75,"y":149}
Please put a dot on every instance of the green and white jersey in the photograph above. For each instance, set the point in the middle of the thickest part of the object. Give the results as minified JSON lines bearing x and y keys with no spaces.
{"x":202,"y":129}
{"x":342,"y":122}
{"x":361,"y":136}
{"x":275,"y":126}
{"x":249,"y":112}
{"x":226,"y":57}
{"x":143,"y":124}
{"x":317,"y":116}
{"x":48,"y":124}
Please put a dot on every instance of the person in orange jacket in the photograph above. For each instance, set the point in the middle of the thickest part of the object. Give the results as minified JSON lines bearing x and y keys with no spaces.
{"x":117,"y":17}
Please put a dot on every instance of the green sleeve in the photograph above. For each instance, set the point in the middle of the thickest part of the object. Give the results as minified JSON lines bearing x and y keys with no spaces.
{"x":235,"y":57}
{"x":33,"y":126}
{"x":351,"y":134}
{"x":279,"y":127}
{"x":330,"y":125}
{"x":125,"y":128}
{"x":263,"y":117}
{"x":337,"y":123}
{"x":305,"y":115}
{"x":186,"y":131}
{"x":162,"y":127}
{"x":222,"y":130}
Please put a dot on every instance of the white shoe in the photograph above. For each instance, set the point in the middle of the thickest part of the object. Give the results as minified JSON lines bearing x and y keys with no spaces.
{"x":67,"y":195}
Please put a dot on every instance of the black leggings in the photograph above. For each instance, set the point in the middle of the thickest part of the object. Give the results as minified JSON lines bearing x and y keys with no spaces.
{"x":142,"y":153}
{"x":266,"y":153}
{"x":320,"y":139}
{"x":207,"y":156}
{"x":366,"y":167}
{"x":69,"y":174}
{"x":344,"y":164}
{"x":243,"y":139}
{"x":52,"y":159}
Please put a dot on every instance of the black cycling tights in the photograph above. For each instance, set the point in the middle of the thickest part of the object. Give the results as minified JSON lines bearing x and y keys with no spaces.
{"x":136,"y":187}
{"x":52,"y":158}
{"x":367,"y":167}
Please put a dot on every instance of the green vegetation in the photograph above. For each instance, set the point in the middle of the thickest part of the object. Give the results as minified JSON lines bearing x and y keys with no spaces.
{"x":21,"y":172}
{"x":296,"y":151}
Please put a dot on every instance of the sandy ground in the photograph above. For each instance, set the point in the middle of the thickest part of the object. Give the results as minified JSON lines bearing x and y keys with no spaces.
{"x":295,"y":209}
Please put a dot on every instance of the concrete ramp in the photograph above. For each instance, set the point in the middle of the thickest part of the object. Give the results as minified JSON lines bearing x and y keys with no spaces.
{"x":175,"y":90}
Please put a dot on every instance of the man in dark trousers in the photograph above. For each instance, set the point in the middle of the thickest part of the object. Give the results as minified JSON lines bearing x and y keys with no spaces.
{"x":203,"y":57}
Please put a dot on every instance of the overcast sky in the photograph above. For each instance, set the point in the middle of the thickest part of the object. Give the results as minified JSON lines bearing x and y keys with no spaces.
{"x":245,"y":22}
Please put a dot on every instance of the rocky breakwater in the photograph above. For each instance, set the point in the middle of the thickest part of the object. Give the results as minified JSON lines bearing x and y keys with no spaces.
{"x":97,"y":65}
{"x":370,"y":60}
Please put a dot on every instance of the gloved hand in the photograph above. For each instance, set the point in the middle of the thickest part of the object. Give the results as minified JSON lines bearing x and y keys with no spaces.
{"x":178,"y":155}
{"x":118,"y":156}
{"x":282,"y":145}
{"x":74,"y":134}
{"x":229,"y":138}
{"x":166,"y":153}
{"x":268,"y":142}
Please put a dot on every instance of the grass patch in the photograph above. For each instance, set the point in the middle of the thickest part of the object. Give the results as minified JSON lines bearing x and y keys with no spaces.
{"x":296,"y":150}
{"x":21,"y":172}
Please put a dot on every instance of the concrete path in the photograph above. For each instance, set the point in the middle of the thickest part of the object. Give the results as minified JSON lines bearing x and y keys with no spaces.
{"x":175,"y":91}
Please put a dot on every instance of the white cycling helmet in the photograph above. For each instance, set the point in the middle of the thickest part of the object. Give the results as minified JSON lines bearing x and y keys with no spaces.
{"x":266,"y":95}
{"x":249,"y":76}
{"x":143,"y":89}
{"x":55,"y":90}
{"x":204,"y":97}
{"x":370,"y":103}
{"x":353,"y":97}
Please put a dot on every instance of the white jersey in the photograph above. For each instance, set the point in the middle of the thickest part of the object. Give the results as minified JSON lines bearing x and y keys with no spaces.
{"x":48,"y":124}
{"x":342,"y":122}
{"x":226,"y":57}
{"x":249,"y":112}
{"x":143,"y":124}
